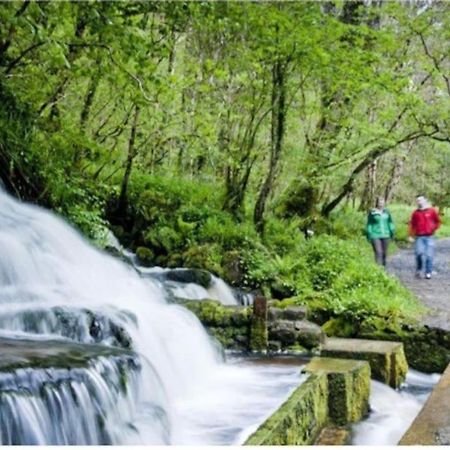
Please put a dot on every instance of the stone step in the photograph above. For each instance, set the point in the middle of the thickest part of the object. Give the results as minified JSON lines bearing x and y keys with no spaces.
{"x":387,"y":359}
{"x":348,"y":387}
{"x":432,"y":424}
{"x":21,"y":353}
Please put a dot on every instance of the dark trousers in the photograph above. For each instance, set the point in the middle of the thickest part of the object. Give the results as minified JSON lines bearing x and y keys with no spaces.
{"x":380,"y":247}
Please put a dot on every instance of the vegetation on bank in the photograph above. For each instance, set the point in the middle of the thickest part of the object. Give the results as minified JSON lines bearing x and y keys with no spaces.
{"x":214,"y":134}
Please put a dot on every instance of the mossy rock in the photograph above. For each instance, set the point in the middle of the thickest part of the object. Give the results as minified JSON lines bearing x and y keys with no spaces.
{"x":231,"y":267}
{"x":207,"y":257}
{"x":145,"y":256}
{"x":340,"y":327}
{"x":197,"y":276}
{"x":26,"y":353}
{"x":213,"y":313}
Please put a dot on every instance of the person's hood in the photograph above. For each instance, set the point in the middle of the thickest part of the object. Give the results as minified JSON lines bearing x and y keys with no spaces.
{"x":423,"y":203}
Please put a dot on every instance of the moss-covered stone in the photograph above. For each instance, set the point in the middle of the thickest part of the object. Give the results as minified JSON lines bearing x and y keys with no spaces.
{"x":299,"y":420}
{"x":348,"y":387}
{"x":197,"y":276}
{"x":295,"y":332}
{"x":230,"y":325}
{"x":21,"y":353}
{"x":339,"y":326}
{"x":145,"y":256}
{"x":259,"y":333}
{"x":387,"y":359}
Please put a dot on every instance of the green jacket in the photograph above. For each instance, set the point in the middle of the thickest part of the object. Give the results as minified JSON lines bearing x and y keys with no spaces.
{"x":379,"y":225}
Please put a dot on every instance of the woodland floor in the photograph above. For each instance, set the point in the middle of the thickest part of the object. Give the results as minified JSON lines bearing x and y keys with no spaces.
{"x":434,"y":293}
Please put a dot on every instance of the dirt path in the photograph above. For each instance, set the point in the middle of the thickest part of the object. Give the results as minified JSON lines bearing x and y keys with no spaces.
{"x":434,"y":293}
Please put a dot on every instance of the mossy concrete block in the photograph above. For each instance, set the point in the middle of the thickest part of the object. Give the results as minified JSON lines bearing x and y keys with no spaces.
{"x":387,"y":359}
{"x":348,"y":387}
{"x":300,"y":419}
{"x":432,"y":425}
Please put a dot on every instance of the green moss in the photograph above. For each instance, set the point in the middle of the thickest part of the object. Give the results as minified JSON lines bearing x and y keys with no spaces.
{"x":230,"y":325}
{"x":348,"y":387}
{"x":145,"y":256}
{"x":340,"y":326}
{"x":258,"y":335}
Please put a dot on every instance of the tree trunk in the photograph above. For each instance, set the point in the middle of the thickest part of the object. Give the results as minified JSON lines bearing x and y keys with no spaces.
{"x":394,"y":178}
{"x":122,"y":202}
{"x":277,"y":134}
{"x":368,"y":197}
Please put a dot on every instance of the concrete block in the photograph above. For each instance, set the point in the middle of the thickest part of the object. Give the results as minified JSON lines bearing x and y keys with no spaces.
{"x":387,"y":359}
{"x":348,"y":387}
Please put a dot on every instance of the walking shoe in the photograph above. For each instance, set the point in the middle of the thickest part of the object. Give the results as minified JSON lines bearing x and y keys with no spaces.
{"x":428,"y":276}
{"x":418,"y":274}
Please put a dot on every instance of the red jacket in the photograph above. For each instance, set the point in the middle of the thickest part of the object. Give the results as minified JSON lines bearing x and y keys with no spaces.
{"x":424,"y":222}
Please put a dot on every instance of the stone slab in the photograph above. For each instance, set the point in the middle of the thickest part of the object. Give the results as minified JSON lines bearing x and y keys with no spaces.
{"x":348,"y":387}
{"x":432,"y":425}
{"x":45,"y":353}
{"x":387,"y":359}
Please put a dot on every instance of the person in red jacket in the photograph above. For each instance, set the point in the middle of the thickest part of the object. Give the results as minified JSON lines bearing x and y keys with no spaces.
{"x":424,"y":222}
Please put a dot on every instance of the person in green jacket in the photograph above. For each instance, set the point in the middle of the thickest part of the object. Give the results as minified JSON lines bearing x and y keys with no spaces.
{"x":379,"y":230}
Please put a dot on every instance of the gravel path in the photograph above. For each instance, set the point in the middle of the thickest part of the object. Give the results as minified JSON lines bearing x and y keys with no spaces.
{"x":434,"y":293}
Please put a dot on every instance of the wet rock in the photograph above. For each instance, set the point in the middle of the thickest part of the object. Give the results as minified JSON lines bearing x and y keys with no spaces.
{"x":53,"y":353}
{"x":299,"y":332}
{"x":197,"y":276}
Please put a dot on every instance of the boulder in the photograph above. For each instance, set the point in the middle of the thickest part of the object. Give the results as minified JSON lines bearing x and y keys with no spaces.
{"x":298,"y":332}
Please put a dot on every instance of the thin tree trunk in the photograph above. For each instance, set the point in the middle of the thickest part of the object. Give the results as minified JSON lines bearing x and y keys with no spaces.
{"x":368,"y":196}
{"x":122,"y":202}
{"x":395,"y":177}
{"x":277,"y":134}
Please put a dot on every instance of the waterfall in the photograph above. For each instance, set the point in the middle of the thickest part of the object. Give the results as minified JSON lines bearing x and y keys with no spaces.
{"x":53,"y":284}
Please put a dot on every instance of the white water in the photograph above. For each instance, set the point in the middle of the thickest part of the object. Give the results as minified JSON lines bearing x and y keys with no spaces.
{"x":45,"y":264}
{"x":392,"y":412}
{"x":219,"y":290}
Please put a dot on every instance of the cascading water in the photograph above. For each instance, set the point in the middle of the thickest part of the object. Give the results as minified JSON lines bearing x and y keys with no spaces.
{"x":392,"y":412}
{"x":52,"y":283}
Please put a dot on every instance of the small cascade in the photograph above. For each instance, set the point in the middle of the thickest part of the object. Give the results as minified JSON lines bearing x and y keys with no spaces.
{"x":55,"y":287}
{"x":392,"y":412}
{"x":78,"y":406}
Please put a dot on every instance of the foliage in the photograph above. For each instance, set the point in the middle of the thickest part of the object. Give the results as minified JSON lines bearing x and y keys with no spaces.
{"x":184,"y":124}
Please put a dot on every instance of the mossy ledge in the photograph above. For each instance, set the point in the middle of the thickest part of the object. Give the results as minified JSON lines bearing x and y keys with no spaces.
{"x":335,"y":393}
{"x":42,"y":354}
